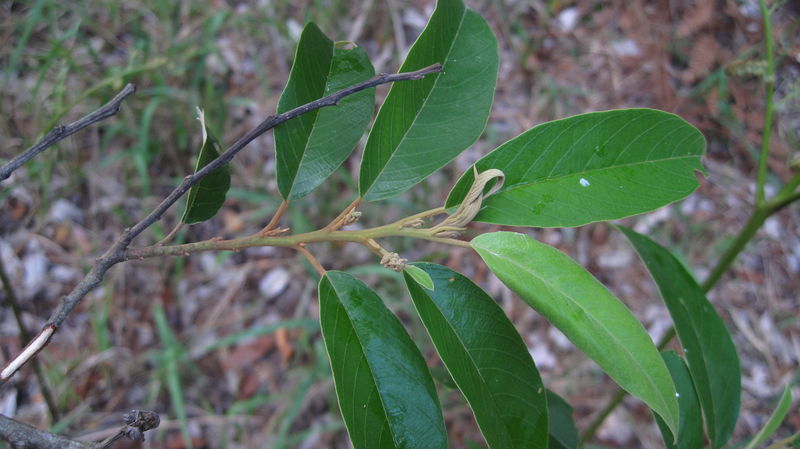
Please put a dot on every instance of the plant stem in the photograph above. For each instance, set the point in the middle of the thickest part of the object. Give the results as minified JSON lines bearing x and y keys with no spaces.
{"x":119,"y":251}
{"x":311,"y":259}
{"x":11,"y":298}
{"x":61,"y":132}
{"x":763,"y":209}
{"x":337,"y":222}
{"x":598,"y":420}
{"x":769,"y":85}
{"x":275,"y":218}
{"x":291,"y":241}
{"x":758,"y":217}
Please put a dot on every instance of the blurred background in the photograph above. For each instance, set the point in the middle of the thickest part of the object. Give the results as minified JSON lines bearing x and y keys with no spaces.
{"x":226,"y":346}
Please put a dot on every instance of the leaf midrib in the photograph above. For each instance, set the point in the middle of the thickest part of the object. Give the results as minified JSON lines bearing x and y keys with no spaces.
{"x":523,"y":184}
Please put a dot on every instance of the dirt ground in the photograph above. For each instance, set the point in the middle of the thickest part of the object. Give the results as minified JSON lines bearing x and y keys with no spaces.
{"x":226,"y":346}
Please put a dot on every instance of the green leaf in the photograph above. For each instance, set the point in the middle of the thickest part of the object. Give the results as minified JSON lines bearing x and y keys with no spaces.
{"x":310,"y":147}
{"x":385,"y":390}
{"x":485,"y":356}
{"x":709,"y":349}
{"x":563,"y":432}
{"x":424,"y":124}
{"x":420,"y":276}
{"x":590,"y":167}
{"x":208,"y":195}
{"x":691,"y":418}
{"x":775,"y":420}
{"x":586,"y":312}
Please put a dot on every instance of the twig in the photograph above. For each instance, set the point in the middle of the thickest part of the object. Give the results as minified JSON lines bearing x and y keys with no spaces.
{"x":21,"y":435}
{"x":116,"y":253}
{"x":11,"y":297}
{"x":275,"y":218}
{"x":137,"y":422}
{"x":171,"y":234}
{"x":311,"y":259}
{"x":337,"y":222}
{"x":60,"y":132}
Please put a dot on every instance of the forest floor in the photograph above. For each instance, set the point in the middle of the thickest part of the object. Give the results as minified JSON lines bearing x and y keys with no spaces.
{"x":226,"y":346}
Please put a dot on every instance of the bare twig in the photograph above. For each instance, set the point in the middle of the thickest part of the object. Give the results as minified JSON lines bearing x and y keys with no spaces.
{"x":22,"y":436}
{"x":60,"y":132}
{"x":116,"y":253}
{"x":11,"y":298}
{"x":137,"y":422}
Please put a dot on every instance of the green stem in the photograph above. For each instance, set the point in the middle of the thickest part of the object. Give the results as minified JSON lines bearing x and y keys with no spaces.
{"x":760,"y":214}
{"x":769,"y":107}
{"x":598,"y":420}
{"x":292,"y":241}
{"x":763,"y":209}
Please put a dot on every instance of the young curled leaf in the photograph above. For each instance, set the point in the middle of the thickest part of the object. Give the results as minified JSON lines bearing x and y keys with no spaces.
{"x":459,"y":220}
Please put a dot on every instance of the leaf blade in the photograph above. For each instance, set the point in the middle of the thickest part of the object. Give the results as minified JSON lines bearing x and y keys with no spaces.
{"x":310,"y":147}
{"x":207,"y":196}
{"x":563,"y":431}
{"x":690,"y":435}
{"x":710,"y":351}
{"x":590,"y":167}
{"x":405,"y":144}
{"x":385,"y":391}
{"x":586,"y":312}
{"x":485,"y":356}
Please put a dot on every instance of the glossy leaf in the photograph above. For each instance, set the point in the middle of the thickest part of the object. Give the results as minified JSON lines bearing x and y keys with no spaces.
{"x":691,"y":417}
{"x":310,"y":147}
{"x":424,"y":124}
{"x":709,"y":349}
{"x":590,"y":167}
{"x":775,"y":419}
{"x":207,"y":196}
{"x":385,"y":390}
{"x":563,"y":431}
{"x":485,"y":356}
{"x":586,"y":312}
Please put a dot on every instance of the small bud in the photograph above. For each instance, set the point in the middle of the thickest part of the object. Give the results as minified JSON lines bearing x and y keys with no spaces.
{"x":351,"y":218}
{"x":393,"y":261}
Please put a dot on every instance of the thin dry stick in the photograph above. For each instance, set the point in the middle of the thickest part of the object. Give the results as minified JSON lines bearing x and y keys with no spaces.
{"x":116,"y":253}
{"x":60,"y":132}
{"x":11,"y":298}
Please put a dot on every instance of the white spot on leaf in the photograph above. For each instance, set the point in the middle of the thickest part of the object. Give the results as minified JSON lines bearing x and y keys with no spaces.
{"x":584,"y":182}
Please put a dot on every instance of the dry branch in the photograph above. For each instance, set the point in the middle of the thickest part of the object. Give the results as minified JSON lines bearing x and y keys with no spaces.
{"x":116,"y":253}
{"x":60,"y":132}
